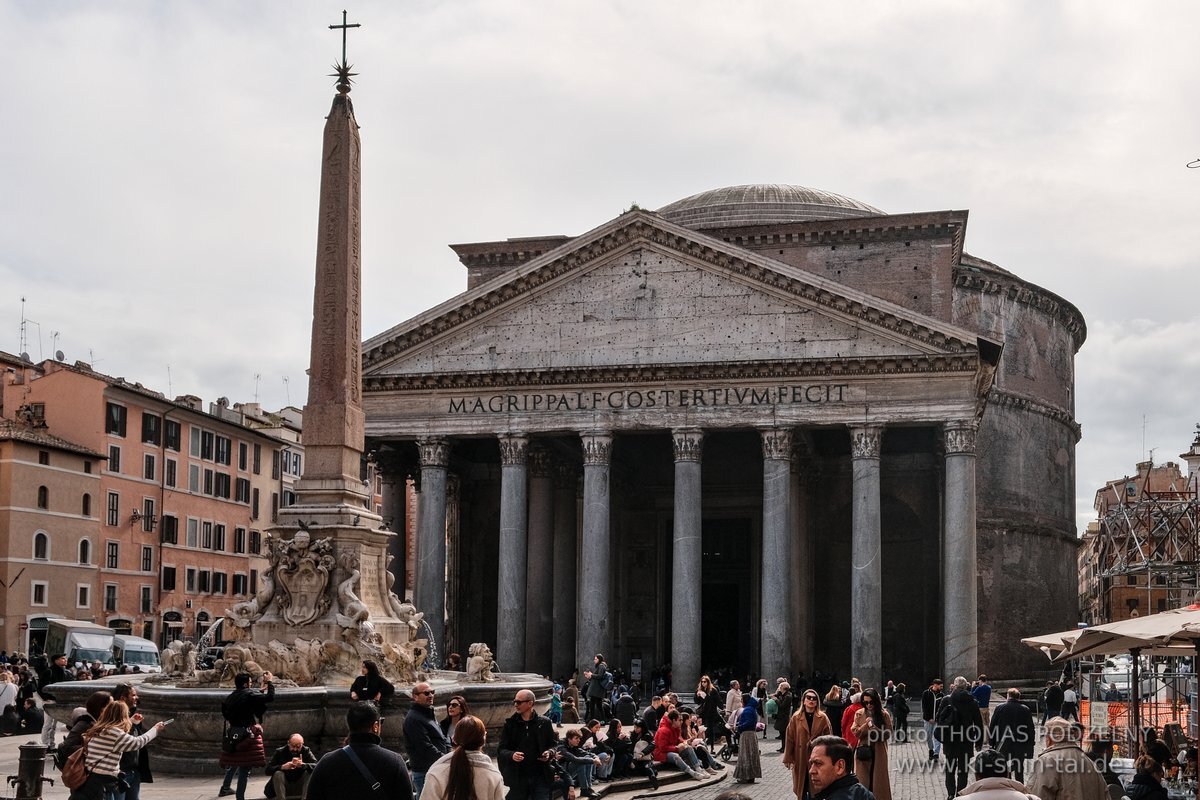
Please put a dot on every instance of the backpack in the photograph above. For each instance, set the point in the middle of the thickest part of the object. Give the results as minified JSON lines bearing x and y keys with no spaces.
{"x":74,"y":770}
{"x":946,"y":721}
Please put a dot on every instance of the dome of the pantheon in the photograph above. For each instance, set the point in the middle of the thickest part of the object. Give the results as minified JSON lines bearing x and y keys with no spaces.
{"x":762,"y":204}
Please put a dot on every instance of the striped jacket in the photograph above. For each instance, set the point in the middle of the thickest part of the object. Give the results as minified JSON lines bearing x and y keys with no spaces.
{"x":104,"y":750}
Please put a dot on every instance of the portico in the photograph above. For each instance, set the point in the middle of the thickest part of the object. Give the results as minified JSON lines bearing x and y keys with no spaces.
{"x":674,"y":450}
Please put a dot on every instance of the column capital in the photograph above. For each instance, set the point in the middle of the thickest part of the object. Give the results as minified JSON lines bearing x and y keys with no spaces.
{"x":688,"y":443}
{"x":865,"y":441}
{"x":541,"y":463}
{"x":959,"y":437}
{"x":434,"y":452}
{"x":514,"y":449}
{"x":597,"y":447}
{"x":777,"y":444}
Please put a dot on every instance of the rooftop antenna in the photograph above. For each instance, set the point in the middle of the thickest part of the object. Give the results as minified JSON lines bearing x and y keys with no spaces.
{"x":25,"y":323}
{"x":170,"y":391}
{"x":287,"y":390}
{"x":257,"y":377}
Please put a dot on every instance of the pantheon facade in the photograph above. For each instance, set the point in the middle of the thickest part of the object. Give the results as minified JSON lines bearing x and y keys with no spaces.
{"x":766,"y":428}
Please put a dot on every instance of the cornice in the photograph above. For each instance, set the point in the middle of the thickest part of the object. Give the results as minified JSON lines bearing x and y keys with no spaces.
{"x":1003,"y":399}
{"x":659,"y":373}
{"x":851,"y":230}
{"x":647,"y":229}
{"x":1019,"y":291}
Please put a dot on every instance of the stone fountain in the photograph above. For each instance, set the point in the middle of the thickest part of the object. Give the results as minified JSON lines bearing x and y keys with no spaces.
{"x":325,"y":603}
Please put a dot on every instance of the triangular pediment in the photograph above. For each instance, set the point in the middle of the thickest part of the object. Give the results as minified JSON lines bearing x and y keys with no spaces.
{"x":641,"y":292}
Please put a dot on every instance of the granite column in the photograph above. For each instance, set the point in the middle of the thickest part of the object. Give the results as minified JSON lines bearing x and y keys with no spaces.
{"x":776,"y":613}
{"x":802,"y":568}
{"x":393,"y":476}
{"x":539,"y":603}
{"x":687,"y":559}
{"x":593,"y":631}
{"x":429,"y":580}
{"x":566,"y":550}
{"x":866,"y":578}
{"x":960,"y":564}
{"x":512,"y":570}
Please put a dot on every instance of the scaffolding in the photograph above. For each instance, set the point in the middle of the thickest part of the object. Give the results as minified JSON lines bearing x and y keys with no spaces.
{"x":1156,"y":532}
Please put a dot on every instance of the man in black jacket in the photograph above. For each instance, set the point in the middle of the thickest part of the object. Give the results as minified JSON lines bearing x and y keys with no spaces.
{"x":527,"y":744}
{"x":423,"y":737}
{"x":290,"y":768}
{"x":1013,"y":733}
{"x":929,"y":703}
{"x":337,"y":775}
{"x":831,"y":771}
{"x":959,"y":727}
{"x":56,"y":672}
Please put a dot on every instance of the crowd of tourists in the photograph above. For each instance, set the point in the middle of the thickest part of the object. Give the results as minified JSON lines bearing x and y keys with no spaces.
{"x":834,"y":741}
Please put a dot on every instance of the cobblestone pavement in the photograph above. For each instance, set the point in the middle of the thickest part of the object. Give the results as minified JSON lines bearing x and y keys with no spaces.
{"x":912,"y":778}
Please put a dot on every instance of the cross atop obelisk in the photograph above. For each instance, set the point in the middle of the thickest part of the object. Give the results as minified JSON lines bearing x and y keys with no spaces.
{"x":342,"y":70}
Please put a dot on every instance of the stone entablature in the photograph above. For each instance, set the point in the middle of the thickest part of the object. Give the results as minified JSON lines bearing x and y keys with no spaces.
{"x":919,"y":398}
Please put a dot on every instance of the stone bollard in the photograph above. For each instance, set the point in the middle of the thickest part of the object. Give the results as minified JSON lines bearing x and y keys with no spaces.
{"x":28,"y":779}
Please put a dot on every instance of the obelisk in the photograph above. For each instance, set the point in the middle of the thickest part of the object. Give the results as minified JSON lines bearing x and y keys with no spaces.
{"x":333,"y":503}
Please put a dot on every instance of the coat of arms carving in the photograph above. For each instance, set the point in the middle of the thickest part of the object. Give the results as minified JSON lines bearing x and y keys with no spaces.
{"x":303,"y":574}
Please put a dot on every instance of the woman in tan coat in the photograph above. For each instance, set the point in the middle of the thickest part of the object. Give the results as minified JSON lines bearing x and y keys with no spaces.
{"x":872,"y":725}
{"x":806,"y":724}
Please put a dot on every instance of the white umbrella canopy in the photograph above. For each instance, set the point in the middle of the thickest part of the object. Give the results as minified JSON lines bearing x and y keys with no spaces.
{"x":1174,"y":632}
{"x":1053,"y":643}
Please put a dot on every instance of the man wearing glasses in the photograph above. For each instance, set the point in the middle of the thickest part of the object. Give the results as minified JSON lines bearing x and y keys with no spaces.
{"x":423,"y":736}
{"x":527,"y":744}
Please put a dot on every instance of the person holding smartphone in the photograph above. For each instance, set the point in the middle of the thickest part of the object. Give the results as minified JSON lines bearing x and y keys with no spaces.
{"x":243,"y":748}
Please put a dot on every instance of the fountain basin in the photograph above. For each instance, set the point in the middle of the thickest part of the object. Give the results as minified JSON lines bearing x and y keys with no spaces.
{"x":191,"y":745}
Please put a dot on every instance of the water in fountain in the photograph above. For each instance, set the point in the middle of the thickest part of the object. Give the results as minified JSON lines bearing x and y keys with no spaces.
{"x":209,"y":638}
{"x":431,"y":654}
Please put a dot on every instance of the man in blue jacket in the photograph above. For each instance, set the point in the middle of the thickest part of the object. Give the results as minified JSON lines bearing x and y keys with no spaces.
{"x":423,"y":736}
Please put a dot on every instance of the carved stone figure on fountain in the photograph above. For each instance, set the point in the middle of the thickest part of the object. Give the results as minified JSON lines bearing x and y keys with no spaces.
{"x":353,"y":610}
{"x":244,"y":613}
{"x":480,"y":663}
{"x":178,"y":658}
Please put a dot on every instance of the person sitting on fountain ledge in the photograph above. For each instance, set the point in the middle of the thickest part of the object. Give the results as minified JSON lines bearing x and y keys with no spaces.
{"x":290,"y":768}
{"x":363,"y":763}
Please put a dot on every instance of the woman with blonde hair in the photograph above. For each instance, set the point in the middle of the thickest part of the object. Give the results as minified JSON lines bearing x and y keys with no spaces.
{"x":465,"y":773}
{"x":103,"y":745}
{"x":806,"y":724}
{"x":872,"y":725}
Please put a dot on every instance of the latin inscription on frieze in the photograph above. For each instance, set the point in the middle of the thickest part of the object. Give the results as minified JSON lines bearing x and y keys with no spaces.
{"x":664,"y":398}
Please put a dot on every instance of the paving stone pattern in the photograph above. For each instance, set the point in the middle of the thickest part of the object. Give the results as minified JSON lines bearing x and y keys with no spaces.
{"x":912,"y":779}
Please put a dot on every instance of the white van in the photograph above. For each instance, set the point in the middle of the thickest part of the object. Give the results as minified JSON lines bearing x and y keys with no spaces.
{"x":135,"y":651}
{"x":82,"y":642}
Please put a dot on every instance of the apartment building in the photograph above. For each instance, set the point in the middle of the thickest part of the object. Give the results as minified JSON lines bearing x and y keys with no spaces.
{"x":182,"y":501}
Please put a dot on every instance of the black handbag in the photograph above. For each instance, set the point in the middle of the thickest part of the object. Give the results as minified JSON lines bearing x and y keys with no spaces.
{"x":864,"y":752}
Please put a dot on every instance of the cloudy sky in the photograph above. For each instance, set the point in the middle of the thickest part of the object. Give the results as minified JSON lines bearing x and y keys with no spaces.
{"x":158,"y":193}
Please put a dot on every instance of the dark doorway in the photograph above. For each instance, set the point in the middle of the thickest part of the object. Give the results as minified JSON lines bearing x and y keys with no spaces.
{"x":728,"y":640}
